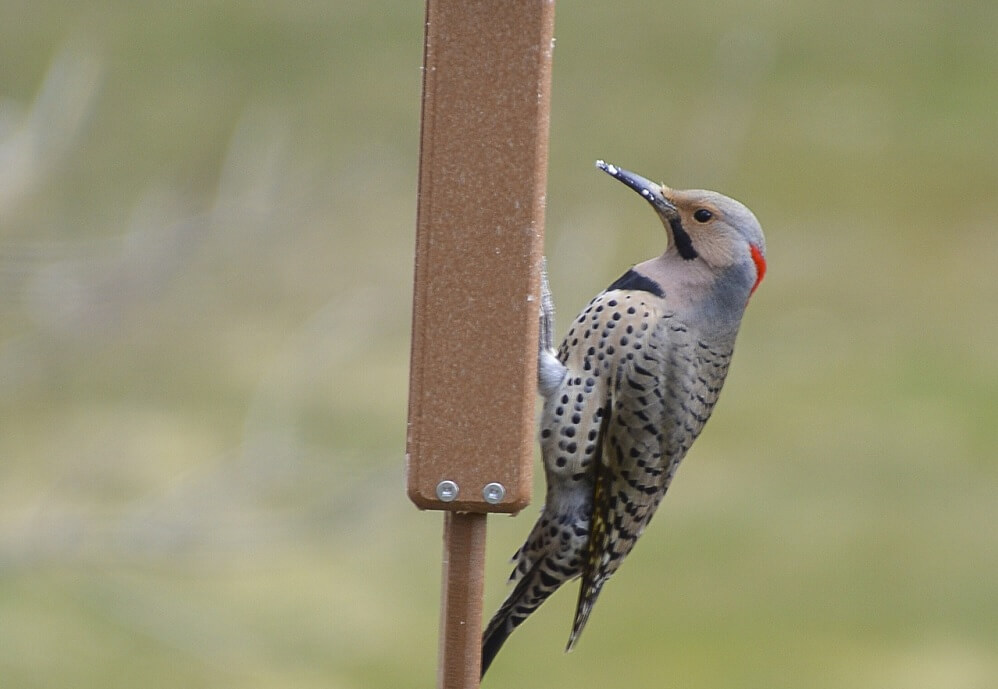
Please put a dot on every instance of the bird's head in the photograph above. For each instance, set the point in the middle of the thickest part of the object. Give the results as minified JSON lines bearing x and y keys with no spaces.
{"x":708,"y":232}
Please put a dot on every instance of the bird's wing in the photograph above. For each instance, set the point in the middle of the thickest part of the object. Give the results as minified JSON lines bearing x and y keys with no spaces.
{"x":638,"y":450}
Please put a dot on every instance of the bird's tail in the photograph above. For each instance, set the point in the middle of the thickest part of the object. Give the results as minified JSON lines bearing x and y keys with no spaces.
{"x":588,"y":593}
{"x":532,"y":589}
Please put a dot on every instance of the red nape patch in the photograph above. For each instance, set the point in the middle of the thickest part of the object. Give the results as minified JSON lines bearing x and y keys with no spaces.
{"x":760,"y":266}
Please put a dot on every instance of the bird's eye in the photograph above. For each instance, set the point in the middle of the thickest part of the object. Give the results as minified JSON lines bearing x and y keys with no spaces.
{"x":702,"y":215}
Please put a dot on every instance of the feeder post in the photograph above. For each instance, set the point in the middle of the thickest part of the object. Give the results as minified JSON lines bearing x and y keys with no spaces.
{"x":479,"y":237}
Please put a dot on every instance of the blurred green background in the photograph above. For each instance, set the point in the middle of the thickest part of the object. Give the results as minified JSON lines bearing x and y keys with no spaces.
{"x":206,"y":234}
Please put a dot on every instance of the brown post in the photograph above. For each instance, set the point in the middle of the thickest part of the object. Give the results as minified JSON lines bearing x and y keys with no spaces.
{"x":482,"y":179}
{"x":460,"y":659}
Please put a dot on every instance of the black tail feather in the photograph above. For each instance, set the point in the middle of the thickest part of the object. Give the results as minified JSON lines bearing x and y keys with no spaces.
{"x":528,"y":594}
{"x":492,"y":641}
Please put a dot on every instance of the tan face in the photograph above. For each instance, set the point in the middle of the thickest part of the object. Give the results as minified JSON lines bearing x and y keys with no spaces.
{"x":705,"y":222}
{"x":721,"y":230}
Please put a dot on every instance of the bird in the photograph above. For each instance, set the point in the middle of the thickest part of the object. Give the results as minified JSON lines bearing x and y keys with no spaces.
{"x":626,"y":394}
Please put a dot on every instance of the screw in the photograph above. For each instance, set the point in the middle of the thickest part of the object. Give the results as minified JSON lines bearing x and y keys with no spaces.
{"x":494,"y":493}
{"x":447,"y":491}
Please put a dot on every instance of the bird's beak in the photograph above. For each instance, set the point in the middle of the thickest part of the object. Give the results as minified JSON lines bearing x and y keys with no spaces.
{"x":654,"y":195}
{"x":651,"y":192}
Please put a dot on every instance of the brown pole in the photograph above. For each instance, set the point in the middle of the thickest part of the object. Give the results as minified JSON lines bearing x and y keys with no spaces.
{"x":461,"y":601}
{"x":479,"y":236}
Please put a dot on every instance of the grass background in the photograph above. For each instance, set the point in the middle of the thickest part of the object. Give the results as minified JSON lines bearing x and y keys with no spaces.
{"x":206,"y":235}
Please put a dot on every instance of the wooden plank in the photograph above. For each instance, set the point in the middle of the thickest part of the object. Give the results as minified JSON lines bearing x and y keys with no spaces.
{"x":483,"y":171}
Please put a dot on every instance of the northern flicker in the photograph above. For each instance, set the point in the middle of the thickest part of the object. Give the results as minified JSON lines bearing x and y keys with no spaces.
{"x":627,"y":393}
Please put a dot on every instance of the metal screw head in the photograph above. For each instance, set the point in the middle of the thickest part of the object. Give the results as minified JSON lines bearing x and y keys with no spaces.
{"x":447,"y":491}
{"x":494,"y":493}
